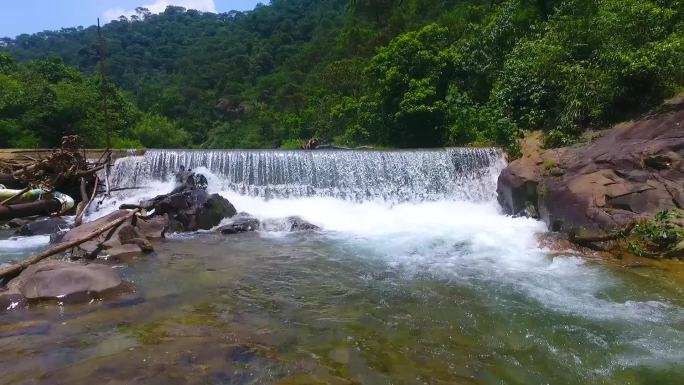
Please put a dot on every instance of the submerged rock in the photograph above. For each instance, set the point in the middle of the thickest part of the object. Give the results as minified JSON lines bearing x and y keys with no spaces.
{"x":293,"y":223}
{"x":241,"y":223}
{"x":17,"y":223}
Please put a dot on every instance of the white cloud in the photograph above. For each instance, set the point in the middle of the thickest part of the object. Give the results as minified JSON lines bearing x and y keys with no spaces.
{"x":159,"y":6}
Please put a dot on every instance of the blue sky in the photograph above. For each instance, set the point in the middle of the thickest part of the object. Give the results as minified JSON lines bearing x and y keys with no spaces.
{"x":29,"y":16}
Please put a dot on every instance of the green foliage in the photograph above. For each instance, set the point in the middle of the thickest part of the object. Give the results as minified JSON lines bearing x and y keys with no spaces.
{"x":399,"y":73}
{"x":410,"y":80}
{"x":41,"y":101}
{"x":126,"y":143}
{"x":653,"y":237}
{"x":292,"y":144}
{"x":155,"y":131}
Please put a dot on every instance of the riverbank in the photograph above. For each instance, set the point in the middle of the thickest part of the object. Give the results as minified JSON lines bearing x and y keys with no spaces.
{"x":632,"y":174}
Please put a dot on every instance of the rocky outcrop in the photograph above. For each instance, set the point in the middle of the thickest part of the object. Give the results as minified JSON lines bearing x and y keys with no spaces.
{"x":630,"y":172}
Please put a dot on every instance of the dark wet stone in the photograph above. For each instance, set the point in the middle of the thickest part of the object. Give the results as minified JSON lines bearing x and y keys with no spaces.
{"x":43,"y":227}
{"x":240,"y":223}
{"x":17,"y":223}
{"x":291,"y":224}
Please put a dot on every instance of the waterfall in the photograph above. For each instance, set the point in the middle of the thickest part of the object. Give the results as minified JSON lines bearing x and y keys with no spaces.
{"x":397,"y":176}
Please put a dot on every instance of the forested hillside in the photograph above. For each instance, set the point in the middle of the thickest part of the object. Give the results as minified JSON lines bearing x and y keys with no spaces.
{"x":397,"y":73}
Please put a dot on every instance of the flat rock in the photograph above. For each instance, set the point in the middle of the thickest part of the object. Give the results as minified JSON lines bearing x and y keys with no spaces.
{"x":121,"y":252}
{"x":89,"y":227}
{"x":59,"y":279}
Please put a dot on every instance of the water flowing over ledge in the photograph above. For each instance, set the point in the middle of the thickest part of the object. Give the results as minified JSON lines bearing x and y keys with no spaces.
{"x":467,"y":174}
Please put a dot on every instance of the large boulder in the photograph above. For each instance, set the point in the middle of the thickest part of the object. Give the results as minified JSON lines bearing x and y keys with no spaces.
{"x":193,"y":209}
{"x":630,"y":172}
{"x":63,"y":280}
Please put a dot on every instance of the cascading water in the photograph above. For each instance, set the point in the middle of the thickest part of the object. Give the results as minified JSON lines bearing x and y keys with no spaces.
{"x":398,"y":176}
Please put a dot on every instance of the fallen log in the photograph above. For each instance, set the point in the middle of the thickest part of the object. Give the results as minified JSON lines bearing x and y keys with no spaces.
{"x":12,"y":271}
{"x":90,"y":171}
{"x":42,"y":207}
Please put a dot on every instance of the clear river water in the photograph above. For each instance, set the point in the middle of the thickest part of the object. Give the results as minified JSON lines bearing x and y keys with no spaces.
{"x":416,"y":277}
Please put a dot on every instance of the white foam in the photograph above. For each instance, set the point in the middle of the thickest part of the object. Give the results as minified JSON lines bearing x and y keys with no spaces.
{"x":23,"y":243}
{"x":467,"y":243}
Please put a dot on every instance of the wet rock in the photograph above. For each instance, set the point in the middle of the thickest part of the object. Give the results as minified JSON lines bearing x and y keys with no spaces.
{"x":194,"y":209}
{"x":676,"y":252}
{"x":661,"y":161}
{"x":124,"y":241}
{"x":59,"y":279}
{"x":123,"y":252}
{"x":11,"y":299}
{"x":44,"y":227}
{"x":89,"y":227}
{"x":240,"y":223}
{"x":17,"y":223}
{"x":152,"y":228}
{"x":213,"y":211}
{"x":290,"y":224}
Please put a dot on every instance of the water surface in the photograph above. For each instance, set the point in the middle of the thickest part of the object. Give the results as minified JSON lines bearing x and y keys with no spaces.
{"x":397,"y":288}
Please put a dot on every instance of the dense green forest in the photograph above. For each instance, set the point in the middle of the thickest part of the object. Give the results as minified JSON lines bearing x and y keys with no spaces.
{"x":395,"y":73}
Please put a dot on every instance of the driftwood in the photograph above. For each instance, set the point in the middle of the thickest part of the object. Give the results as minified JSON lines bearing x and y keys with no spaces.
{"x":107,"y":187}
{"x":61,"y":170}
{"x":126,"y":188}
{"x":84,"y":208}
{"x":12,"y":271}
{"x":42,"y":207}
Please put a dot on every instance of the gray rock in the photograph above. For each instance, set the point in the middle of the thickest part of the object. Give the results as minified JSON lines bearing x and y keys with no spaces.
{"x":59,"y":279}
{"x":195,"y":209}
{"x":17,"y":223}
{"x":240,"y":223}
{"x":291,"y":224}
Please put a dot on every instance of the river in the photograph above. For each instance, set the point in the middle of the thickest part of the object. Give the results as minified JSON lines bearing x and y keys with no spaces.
{"x":415,"y":277}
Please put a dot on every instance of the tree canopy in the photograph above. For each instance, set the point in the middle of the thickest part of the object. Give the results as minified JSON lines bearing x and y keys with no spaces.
{"x":399,"y":73}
